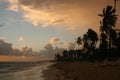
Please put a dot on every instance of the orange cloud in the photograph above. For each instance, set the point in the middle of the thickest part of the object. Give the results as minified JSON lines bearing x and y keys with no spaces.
{"x":61,"y":12}
{"x":54,"y":39}
{"x":14,"y":5}
{"x":21,"y":39}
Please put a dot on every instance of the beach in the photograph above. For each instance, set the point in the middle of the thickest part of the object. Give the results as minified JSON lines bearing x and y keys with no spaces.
{"x":23,"y":70}
{"x":83,"y":71}
{"x":55,"y":70}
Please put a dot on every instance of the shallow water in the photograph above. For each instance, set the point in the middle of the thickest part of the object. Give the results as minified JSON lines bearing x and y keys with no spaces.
{"x":23,"y":71}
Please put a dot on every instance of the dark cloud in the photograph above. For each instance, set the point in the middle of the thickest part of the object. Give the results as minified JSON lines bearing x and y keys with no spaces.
{"x":52,"y":50}
{"x":5,"y":48}
{"x":49,"y":52}
{"x":17,"y":52}
{"x":46,"y":54}
{"x":27,"y":51}
{"x":49,"y":48}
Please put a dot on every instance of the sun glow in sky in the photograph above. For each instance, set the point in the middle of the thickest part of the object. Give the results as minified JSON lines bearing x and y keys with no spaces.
{"x":37,"y":27}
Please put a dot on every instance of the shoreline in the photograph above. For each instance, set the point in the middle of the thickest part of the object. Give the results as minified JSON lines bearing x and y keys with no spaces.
{"x":24,"y":71}
{"x":82,"y":71}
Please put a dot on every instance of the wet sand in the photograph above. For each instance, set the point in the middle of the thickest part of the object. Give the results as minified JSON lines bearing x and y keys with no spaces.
{"x":82,"y":71}
{"x":32,"y":73}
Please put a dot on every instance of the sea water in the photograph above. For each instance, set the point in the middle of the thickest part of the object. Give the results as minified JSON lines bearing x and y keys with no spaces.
{"x":23,"y":70}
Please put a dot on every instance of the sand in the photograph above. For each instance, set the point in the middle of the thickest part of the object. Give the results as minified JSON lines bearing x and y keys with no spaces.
{"x":82,"y":71}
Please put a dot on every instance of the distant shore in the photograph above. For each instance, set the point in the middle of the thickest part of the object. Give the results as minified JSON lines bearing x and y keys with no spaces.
{"x":83,"y":71}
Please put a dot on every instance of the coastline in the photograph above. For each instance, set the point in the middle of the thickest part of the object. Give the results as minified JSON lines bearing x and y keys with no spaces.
{"x":82,"y":71}
{"x":23,"y":71}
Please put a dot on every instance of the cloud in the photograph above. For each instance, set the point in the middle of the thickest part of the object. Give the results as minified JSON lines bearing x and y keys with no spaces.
{"x":50,"y":51}
{"x":2,"y":24}
{"x":47,"y":53}
{"x":17,"y":52}
{"x":5,"y":48}
{"x":49,"y":48}
{"x":54,"y":39}
{"x":70,"y":45}
{"x":61,"y":12}
{"x":27,"y":51}
{"x":14,"y":5}
{"x":1,"y":1}
{"x":2,"y":38}
{"x":21,"y":39}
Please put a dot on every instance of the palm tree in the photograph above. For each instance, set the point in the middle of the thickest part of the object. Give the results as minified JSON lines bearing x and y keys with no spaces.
{"x":79,"y":41}
{"x":93,"y":38}
{"x":103,"y":42}
{"x":118,"y":42}
{"x":113,"y":36}
{"x":65,"y":55}
{"x":86,"y":42}
{"x":90,"y":39}
{"x":109,"y":21}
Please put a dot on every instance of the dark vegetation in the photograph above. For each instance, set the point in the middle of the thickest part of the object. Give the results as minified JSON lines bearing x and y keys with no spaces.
{"x":108,"y":41}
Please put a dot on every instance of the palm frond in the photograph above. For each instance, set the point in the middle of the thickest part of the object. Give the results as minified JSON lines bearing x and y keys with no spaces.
{"x":104,"y":11}
{"x":100,"y":15}
{"x":108,"y":9}
{"x":113,"y":11}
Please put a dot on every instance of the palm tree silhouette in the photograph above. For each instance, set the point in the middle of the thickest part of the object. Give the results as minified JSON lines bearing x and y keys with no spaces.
{"x":109,"y":21}
{"x":118,"y":42}
{"x":90,"y":39}
{"x":65,"y":55}
{"x":79,"y":41}
{"x":103,"y":42}
{"x":93,"y":38}
{"x":86,"y":42}
{"x":113,"y":36}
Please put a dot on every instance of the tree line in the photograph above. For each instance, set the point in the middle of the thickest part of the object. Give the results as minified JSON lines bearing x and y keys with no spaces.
{"x":108,"y":41}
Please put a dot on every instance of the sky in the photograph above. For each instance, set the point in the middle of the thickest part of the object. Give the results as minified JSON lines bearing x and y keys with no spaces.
{"x":34,"y":29}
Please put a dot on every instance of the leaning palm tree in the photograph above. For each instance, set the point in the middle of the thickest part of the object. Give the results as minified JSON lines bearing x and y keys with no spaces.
{"x":109,"y":21}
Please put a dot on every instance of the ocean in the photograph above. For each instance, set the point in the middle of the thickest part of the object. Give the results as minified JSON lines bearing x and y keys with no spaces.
{"x":23,"y":70}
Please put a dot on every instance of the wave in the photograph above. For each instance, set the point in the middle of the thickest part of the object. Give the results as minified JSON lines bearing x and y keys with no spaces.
{"x":8,"y":67}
